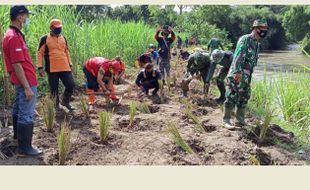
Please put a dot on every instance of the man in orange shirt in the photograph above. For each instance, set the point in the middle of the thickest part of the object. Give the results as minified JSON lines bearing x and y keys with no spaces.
{"x":54,"y":49}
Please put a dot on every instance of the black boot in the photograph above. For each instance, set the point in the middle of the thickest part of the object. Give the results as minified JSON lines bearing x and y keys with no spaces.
{"x":24,"y":135}
{"x":66,"y":101}
{"x":15,"y":127}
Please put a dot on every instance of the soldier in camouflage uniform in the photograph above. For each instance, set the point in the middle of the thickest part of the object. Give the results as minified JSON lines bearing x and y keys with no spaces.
{"x":198,"y":65}
{"x":240,"y":74}
{"x":223,"y":58}
{"x":214,"y":44}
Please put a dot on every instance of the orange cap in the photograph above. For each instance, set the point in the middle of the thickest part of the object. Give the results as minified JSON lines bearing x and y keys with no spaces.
{"x":55,"y":23}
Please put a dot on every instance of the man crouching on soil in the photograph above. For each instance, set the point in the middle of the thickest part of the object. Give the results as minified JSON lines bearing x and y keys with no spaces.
{"x":100,"y":72}
{"x":148,"y":79}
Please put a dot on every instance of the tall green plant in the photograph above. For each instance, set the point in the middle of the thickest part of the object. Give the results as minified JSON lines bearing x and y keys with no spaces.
{"x":49,"y":114}
{"x":63,"y":142}
{"x":104,"y":124}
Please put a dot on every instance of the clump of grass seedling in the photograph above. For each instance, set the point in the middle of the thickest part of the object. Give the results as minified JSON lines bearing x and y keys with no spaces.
{"x":84,"y":105}
{"x":63,"y":142}
{"x":49,"y":114}
{"x":268,"y":117}
{"x":132,"y":113}
{"x":190,"y":115}
{"x":144,"y":108}
{"x":177,"y":138}
{"x":104,"y":124}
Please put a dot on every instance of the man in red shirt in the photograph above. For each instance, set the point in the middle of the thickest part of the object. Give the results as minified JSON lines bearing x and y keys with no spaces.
{"x":99,"y":73}
{"x":23,"y":76}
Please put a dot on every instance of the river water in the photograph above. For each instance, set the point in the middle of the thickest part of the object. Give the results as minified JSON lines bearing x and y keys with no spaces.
{"x":284,"y":60}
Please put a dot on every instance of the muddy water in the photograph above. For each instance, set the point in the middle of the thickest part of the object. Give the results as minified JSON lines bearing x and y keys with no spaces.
{"x":284,"y":60}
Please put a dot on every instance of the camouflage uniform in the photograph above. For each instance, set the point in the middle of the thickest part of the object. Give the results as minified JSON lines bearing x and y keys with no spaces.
{"x":198,"y":63}
{"x":225,"y":63}
{"x":245,"y":59}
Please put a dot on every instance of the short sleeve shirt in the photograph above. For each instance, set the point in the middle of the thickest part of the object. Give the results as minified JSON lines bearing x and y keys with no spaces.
{"x":15,"y":50}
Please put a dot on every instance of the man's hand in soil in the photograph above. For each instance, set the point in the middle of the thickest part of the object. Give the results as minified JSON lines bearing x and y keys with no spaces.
{"x":41,"y":72}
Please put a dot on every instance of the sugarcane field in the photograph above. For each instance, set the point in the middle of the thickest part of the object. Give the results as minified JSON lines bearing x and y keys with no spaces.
{"x":155,"y":85}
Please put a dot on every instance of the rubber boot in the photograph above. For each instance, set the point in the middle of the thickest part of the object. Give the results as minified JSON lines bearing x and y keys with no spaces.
{"x":113,"y":96}
{"x":24,"y":135}
{"x":222,"y":90}
{"x":240,"y":117}
{"x":227,"y":117}
{"x":91,"y":97}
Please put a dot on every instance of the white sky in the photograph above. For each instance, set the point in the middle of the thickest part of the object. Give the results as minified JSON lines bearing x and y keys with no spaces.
{"x":175,"y":8}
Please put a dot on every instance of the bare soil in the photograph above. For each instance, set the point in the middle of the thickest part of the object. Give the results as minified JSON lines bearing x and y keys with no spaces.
{"x":147,"y":142}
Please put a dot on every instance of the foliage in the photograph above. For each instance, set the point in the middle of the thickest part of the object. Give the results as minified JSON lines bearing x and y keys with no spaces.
{"x":63,"y":142}
{"x":49,"y":113}
{"x":177,"y":138}
{"x":104,"y":124}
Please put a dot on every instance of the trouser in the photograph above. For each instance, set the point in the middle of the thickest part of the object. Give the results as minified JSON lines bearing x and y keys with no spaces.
{"x":67,"y":80}
{"x":220,"y":80}
{"x":149,"y":85}
{"x":24,"y":110}
{"x":238,"y":94}
{"x":164,"y":67}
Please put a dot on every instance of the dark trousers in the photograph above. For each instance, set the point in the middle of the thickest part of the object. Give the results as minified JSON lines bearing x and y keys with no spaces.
{"x":91,"y":80}
{"x":67,"y":80}
{"x":149,"y":85}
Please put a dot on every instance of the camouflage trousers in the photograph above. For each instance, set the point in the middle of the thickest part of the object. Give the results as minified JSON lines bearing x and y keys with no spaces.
{"x":238,"y":94}
{"x":222,"y":75}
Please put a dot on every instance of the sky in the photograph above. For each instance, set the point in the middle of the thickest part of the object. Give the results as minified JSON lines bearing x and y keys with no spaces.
{"x":175,"y":8}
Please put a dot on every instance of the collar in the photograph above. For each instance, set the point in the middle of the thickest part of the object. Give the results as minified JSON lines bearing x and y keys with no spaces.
{"x":17,"y":31}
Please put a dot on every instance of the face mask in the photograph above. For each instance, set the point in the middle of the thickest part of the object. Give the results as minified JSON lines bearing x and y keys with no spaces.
{"x":262,"y":33}
{"x":26,"y":23}
{"x":56,"y":31}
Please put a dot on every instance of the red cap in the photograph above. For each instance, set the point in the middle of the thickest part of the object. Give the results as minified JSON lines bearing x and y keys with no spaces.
{"x":116,"y":65}
{"x":55,"y":23}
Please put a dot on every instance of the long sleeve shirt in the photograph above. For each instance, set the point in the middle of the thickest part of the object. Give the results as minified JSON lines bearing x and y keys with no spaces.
{"x":226,"y":62}
{"x":245,"y":56}
{"x":144,"y":76}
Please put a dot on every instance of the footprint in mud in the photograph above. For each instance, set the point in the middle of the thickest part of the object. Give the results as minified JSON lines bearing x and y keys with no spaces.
{"x":200,"y":112}
{"x":112,"y":141}
{"x":122,"y":124}
{"x":208,"y":127}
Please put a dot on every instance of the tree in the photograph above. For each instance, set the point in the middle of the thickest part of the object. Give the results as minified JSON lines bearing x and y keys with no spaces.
{"x":296,"y":22}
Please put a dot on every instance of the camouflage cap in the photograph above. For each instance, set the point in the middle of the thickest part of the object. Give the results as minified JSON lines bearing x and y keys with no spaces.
{"x":260,"y":22}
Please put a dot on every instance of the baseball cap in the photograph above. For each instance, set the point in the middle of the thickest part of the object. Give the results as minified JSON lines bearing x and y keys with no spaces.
{"x":19,"y":9}
{"x":56,"y":23}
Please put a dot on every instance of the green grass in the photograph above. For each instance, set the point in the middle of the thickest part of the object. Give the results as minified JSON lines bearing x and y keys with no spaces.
{"x":107,"y":38}
{"x":84,"y":105}
{"x":177,"y":138}
{"x":132,"y":112}
{"x":63,"y":142}
{"x":144,"y":108}
{"x":287,"y":96}
{"x":104,"y":124}
{"x":49,"y":113}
